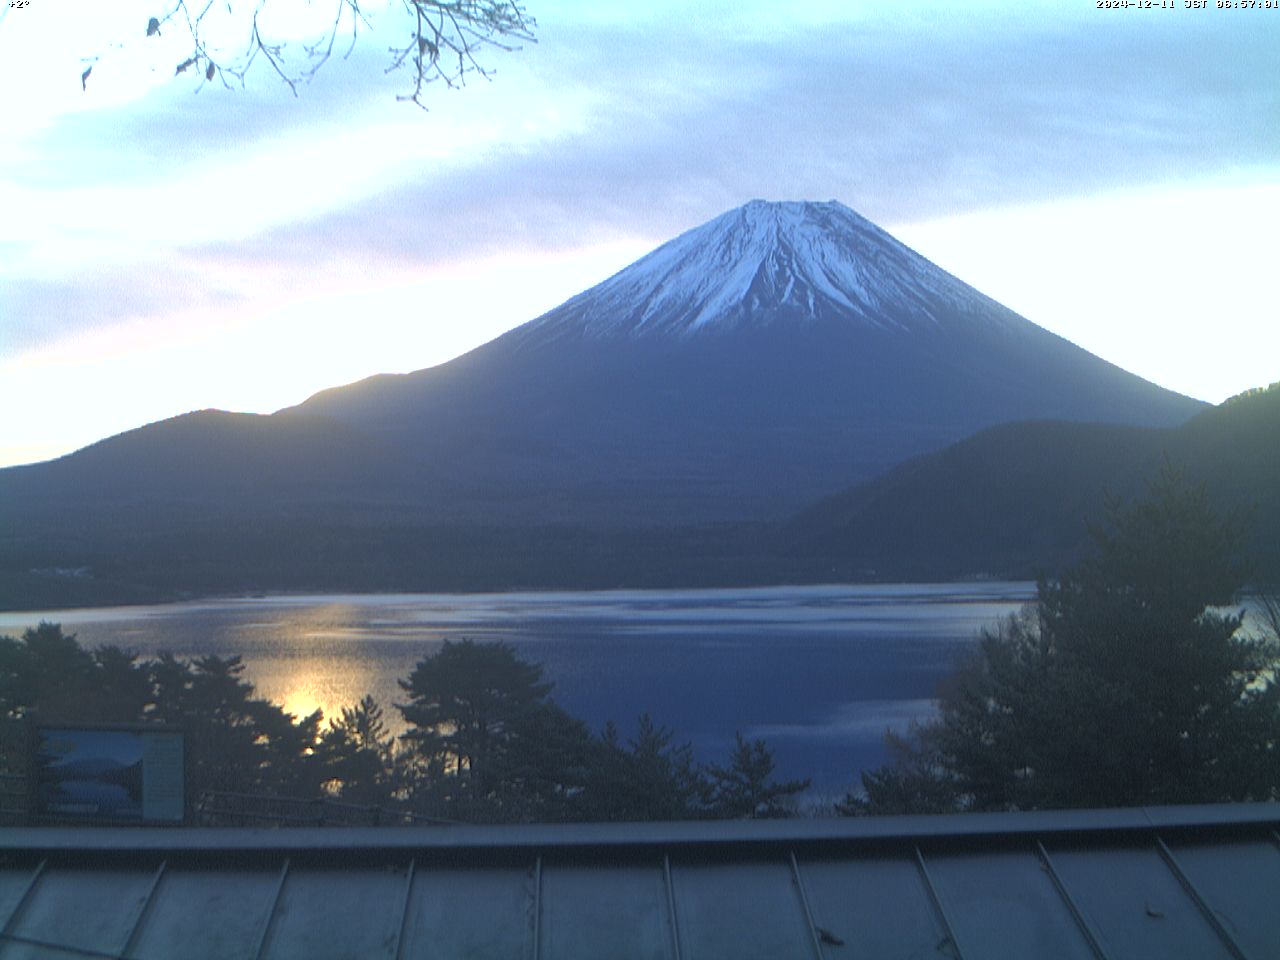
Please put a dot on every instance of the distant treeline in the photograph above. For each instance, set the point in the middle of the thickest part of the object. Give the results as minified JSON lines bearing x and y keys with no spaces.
{"x":150,"y":559}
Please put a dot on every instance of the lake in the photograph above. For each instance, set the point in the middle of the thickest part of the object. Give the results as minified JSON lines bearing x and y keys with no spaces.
{"x":820,"y":672}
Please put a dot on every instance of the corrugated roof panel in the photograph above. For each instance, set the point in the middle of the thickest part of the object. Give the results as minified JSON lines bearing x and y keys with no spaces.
{"x":1135,"y":904}
{"x":15,"y":880}
{"x":87,"y":910}
{"x":1003,"y":903}
{"x":877,"y":905}
{"x":1241,"y":884}
{"x":471,"y":912}
{"x":591,"y":912}
{"x":1040,"y":885}
{"x":743,"y":910}
{"x":340,"y":913}
{"x":41,"y":951}
{"x":214,"y":914}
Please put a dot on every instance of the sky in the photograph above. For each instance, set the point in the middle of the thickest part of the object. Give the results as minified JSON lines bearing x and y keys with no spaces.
{"x":169,"y":245}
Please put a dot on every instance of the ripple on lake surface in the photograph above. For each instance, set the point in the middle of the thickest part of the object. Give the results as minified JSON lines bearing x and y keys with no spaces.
{"x":819,"y":671}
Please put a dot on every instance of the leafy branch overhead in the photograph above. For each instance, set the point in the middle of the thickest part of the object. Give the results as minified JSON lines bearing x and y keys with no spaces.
{"x":439,"y":40}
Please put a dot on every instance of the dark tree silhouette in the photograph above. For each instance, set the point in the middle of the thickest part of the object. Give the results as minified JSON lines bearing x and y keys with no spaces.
{"x":649,"y":777}
{"x":916,"y":779}
{"x":746,"y":787}
{"x":485,"y":741}
{"x":357,"y":752}
{"x":48,"y":670}
{"x":235,"y":741}
{"x":1126,"y":684}
{"x":543,"y":777}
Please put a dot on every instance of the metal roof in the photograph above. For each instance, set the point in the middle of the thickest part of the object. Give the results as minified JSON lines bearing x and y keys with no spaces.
{"x":1193,"y":882}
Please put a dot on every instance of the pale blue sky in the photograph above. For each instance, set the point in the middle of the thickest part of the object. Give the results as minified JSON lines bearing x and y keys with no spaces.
{"x":1112,"y":175}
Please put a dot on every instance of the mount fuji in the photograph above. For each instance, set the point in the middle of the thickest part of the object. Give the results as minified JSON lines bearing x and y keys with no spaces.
{"x":773,"y":356}
{"x":770,"y":356}
{"x":769,"y":263}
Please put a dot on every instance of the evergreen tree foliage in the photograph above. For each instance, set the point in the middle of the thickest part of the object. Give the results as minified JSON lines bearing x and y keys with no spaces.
{"x":915,"y":781}
{"x":465,"y":703}
{"x":47,"y":670}
{"x":746,"y":789}
{"x":235,"y":742}
{"x":486,"y":742}
{"x":1128,"y":683}
{"x":357,"y":753}
{"x":647,"y":777}
{"x":544,"y":777}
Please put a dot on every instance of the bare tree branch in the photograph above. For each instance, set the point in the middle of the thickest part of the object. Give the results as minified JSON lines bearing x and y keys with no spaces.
{"x":1268,"y":612}
{"x":443,"y":40}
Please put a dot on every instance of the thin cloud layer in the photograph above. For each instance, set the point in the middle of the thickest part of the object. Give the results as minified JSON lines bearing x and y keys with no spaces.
{"x":611,"y":132}
{"x":913,"y":128}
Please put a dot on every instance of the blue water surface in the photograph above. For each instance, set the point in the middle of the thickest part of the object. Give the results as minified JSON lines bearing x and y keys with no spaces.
{"x":820,"y":672}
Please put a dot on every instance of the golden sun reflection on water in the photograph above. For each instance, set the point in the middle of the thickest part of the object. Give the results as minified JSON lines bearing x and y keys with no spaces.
{"x":321,"y":662}
{"x":307,"y":684}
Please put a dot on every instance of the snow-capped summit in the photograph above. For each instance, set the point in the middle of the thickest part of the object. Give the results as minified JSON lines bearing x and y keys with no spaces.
{"x":776,"y":353}
{"x":773,"y":355}
{"x":765,"y":262}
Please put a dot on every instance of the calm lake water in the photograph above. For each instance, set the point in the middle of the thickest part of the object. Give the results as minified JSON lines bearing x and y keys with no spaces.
{"x":819,"y":672}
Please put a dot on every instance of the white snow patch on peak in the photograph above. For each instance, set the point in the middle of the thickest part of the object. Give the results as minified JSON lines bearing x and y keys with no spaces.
{"x":767,"y":262}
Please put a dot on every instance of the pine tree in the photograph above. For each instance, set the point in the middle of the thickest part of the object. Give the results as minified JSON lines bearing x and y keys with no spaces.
{"x":1127,"y":683}
{"x":485,"y":740}
{"x":746,"y":787}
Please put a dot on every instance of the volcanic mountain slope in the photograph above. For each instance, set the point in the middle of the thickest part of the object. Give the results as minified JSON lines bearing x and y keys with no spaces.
{"x":766,"y":358}
{"x":773,"y":355}
{"x":740,"y":372}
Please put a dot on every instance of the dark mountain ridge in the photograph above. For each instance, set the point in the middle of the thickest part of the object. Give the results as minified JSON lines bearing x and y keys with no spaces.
{"x":1017,"y":499}
{"x":766,"y":358}
{"x":743,"y":370}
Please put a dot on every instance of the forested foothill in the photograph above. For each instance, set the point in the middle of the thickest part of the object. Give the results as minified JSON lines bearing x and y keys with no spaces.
{"x":1014,"y":500}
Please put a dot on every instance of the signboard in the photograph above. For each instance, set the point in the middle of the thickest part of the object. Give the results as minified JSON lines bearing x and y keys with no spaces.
{"x":115,"y":774}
